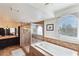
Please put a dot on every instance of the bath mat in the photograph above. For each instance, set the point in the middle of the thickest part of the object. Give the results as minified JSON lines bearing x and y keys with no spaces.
{"x":18,"y":52}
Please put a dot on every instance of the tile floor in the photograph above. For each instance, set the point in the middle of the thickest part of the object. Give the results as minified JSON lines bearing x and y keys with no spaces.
{"x":7,"y":51}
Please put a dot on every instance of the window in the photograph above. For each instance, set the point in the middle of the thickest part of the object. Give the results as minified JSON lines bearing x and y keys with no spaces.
{"x":37,"y":29}
{"x":68,"y":26}
{"x":40,"y":30}
{"x":12,"y":30}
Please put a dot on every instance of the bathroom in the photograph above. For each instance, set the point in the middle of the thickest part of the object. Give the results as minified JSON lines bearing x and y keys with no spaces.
{"x":41,"y":32}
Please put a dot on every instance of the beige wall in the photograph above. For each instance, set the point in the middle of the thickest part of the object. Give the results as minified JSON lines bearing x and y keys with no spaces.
{"x":6,"y":21}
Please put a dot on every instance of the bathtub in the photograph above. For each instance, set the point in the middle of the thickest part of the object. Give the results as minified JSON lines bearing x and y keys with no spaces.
{"x":55,"y":49}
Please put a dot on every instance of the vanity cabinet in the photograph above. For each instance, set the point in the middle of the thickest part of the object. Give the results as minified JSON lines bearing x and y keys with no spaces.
{"x":6,"y":41}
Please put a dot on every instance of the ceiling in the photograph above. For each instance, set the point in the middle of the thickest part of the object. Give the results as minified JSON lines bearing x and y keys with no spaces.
{"x":30,"y":12}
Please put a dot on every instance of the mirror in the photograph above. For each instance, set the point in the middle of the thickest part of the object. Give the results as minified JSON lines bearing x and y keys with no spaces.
{"x":8,"y":31}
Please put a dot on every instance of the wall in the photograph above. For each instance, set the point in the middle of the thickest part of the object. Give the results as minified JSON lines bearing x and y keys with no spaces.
{"x":50,"y":33}
{"x":68,"y":10}
{"x":54,"y":34}
{"x":7,"y":21}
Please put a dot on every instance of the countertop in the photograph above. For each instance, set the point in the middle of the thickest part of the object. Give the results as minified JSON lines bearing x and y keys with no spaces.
{"x":6,"y":37}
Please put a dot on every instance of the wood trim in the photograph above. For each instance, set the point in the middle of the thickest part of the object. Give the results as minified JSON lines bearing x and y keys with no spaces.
{"x":40,"y":22}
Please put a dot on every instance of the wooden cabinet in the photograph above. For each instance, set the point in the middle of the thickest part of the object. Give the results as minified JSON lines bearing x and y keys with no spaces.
{"x":5,"y":42}
{"x":35,"y":51}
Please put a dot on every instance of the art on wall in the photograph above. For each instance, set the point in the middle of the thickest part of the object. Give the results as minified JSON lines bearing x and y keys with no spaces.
{"x":50,"y":27}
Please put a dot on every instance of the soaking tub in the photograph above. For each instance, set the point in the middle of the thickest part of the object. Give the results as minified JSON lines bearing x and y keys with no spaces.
{"x":55,"y":49}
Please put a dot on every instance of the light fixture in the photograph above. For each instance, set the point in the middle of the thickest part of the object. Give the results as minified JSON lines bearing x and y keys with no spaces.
{"x":11,"y":8}
{"x":46,"y":4}
{"x":17,"y":10}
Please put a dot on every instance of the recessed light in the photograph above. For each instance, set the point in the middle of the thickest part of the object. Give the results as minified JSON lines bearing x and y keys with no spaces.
{"x":11,"y":8}
{"x":46,"y":4}
{"x":17,"y":10}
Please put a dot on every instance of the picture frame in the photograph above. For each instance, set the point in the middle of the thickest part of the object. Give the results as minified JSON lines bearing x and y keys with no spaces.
{"x":50,"y":27}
